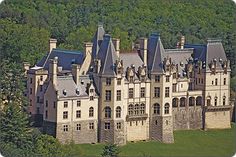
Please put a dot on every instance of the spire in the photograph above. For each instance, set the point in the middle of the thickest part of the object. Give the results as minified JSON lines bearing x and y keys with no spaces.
{"x":97,"y":40}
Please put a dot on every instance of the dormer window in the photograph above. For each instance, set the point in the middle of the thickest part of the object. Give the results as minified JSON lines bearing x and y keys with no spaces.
{"x":77,"y":91}
{"x":91,"y":90}
{"x":108,"y":81}
{"x":64,"y":92}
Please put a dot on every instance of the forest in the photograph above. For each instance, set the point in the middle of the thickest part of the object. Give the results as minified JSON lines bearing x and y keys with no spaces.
{"x":26,"y":26}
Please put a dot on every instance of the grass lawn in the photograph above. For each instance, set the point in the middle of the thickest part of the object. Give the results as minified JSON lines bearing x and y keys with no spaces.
{"x":187,"y":143}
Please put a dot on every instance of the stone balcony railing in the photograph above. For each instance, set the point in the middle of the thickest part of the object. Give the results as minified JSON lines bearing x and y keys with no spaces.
{"x":136,"y":117}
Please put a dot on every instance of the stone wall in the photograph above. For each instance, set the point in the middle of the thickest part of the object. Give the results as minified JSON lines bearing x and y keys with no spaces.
{"x":187,"y":118}
{"x":217,"y":119}
{"x":49,"y":128}
{"x":119,"y":134}
{"x":106,"y":136}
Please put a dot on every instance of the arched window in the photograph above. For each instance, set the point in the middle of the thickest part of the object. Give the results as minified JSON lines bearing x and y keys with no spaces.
{"x":156,"y":108}
{"x":136,"y":109}
{"x":142,"y":108}
{"x":191,"y":101}
{"x":224,"y":98}
{"x":199,"y":101}
{"x":215,"y":101}
{"x":130,"y":109}
{"x":182,"y":102}
{"x":118,"y":112}
{"x":107,"y":112}
{"x":208,"y":101}
{"x":167,"y":108}
{"x":91,"y":112}
{"x":175,"y":102}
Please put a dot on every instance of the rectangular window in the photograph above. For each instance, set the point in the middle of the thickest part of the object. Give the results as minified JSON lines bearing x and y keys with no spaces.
{"x":174,"y":87}
{"x":107,"y":126}
{"x":37,"y":99}
{"x":157,"y":92}
{"x":142,"y":92}
{"x":30,"y":102}
{"x":118,"y":95}
{"x":131,"y":92}
{"x":31,"y":80}
{"x":91,"y":98}
{"x":196,"y":81}
{"x":224,"y":81}
{"x":65,"y":104}
{"x":216,"y":82}
{"x":91,"y":126}
{"x":41,"y":88}
{"x":38,"y":110}
{"x":65,"y":115}
{"x":167,"y":92}
{"x":108,"y":95}
{"x":78,"y":127}
{"x":199,"y":80}
{"x":65,"y":128}
{"x":91,"y":90}
{"x":30,"y":90}
{"x":157,"y":78}
{"x":54,"y":104}
{"x":202,"y":80}
{"x":119,"y":81}
{"x":118,"y":125}
{"x":167,"y":78}
{"x":108,"y":81}
{"x":78,"y":114}
{"x":78,"y":103}
{"x":46,"y":114}
{"x":41,"y":78}
{"x":46,"y":103}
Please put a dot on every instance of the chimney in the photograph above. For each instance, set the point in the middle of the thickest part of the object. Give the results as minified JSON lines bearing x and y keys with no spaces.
{"x":75,"y":73}
{"x":52,"y":44}
{"x":143,"y":49}
{"x":182,"y":42}
{"x":53,"y":70}
{"x":116,"y":43}
{"x":88,"y":48}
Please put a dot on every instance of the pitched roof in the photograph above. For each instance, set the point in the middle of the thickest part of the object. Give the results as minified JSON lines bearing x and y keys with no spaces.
{"x":131,"y":59}
{"x":155,"y":54}
{"x":97,"y":40}
{"x":107,"y":55}
{"x":65,"y":58}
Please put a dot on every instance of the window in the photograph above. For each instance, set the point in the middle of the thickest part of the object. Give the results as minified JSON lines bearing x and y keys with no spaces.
{"x":199,"y":80}
{"x":107,"y":112}
{"x":167,"y":78}
{"x":224,"y":81}
{"x":157,"y":92}
{"x":30,"y":90}
{"x":142,"y":92}
{"x":91,"y":98}
{"x":30,"y":102}
{"x":130,"y":123}
{"x":31,"y":80}
{"x":78,"y":114}
{"x":108,"y":95}
{"x":46,"y":114}
{"x":118,"y":125}
{"x":174,"y":87}
{"x":91,"y":90}
{"x":54,"y":104}
{"x":157,"y":78}
{"x":136,"y":109}
{"x":119,"y":81}
{"x":37,"y":99}
{"x":118,"y":112}
{"x":224,"y":100}
{"x":131,"y":79}
{"x":91,"y":112}
{"x":156,"y":108}
{"x":65,"y":115}
{"x":142,"y":108}
{"x":216,"y":81}
{"x":118,"y":95}
{"x":167,"y":106}
{"x":41,"y":88}
{"x":196,"y":81}
{"x":108,"y":81}
{"x":65,"y":104}
{"x":107,"y":126}
{"x":130,"y":109}
{"x":65,"y":128}
{"x":212,"y":82}
{"x":174,"y":76}
{"x":38,"y":110}
{"x":46,"y":103}
{"x":78,"y":103}
{"x":91,"y":126}
{"x":167,"y":92}
{"x":202,"y":81}
{"x":78,"y":127}
{"x":41,"y":78}
{"x":131,"y":92}
{"x":215,"y":101}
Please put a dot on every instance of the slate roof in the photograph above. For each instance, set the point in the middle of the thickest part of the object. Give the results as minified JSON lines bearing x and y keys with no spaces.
{"x":97,"y":40}
{"x":67,"y":83}
{"x":155,"y":54}
{"x":107,"y":55}
{"x":65,"y":59}
{"x":131,"y":58}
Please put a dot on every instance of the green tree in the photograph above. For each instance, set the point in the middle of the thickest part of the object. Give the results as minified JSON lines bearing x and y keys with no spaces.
{"x":110,"y":150}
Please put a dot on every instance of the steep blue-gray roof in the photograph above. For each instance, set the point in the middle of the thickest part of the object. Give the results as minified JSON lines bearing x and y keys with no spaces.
{"x":65,"y":58}
{"x":97,"y":40}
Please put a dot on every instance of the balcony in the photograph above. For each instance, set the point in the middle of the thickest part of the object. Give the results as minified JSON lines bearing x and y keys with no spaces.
{"x":218,"y":108}
{"x":136,"y":117}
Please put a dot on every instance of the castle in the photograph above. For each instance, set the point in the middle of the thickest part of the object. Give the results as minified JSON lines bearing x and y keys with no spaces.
{"x":104,"y":95}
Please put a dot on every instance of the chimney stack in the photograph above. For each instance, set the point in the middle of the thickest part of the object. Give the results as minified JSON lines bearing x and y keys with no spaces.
{"x":182,"y":42}
{"x":143,"y":49}
{"x":53,"y":70}
{"x":75,"y":73}
{"x":52,"y":44}
{"x":88,"y":48}
{"x":116,"y":43}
